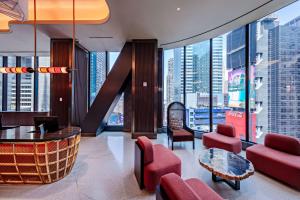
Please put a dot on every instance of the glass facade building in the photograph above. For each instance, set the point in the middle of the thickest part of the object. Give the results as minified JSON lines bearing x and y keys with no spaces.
{"x":255,"y":80}
{"x":100,"y":65}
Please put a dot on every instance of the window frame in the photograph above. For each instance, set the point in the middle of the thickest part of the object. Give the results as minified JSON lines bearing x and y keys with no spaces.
{"x":18,"y":87}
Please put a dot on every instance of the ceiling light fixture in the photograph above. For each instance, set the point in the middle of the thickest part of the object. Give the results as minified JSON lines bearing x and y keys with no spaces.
{"x":52,"y":70}
{"x":178,"y":9}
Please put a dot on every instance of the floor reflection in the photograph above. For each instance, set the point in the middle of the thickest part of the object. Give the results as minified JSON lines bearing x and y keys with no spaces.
{"x":116,"y":146}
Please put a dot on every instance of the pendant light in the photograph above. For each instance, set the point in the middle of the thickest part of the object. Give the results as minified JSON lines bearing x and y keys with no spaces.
{"x":44,"y":69}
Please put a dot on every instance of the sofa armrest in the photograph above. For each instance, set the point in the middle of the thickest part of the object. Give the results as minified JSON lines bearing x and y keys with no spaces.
{"x":139,"y":164}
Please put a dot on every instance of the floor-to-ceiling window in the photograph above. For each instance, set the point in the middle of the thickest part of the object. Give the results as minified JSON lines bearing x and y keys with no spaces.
{"x":27,"y":85}
{"x":275,"y":73}
{"x":97,"y":73}
{"x":21,"y":87}
{"x":174,"y":78}
{"x":116,"y":118}
{"x":44,"y":86}
{"x":11,"y":85}
{"x":271,"y":73}
{"x":100,"y":65}
{"x":112,"y":58}
{"x":197,"y":87}
{"x":228,"y":80}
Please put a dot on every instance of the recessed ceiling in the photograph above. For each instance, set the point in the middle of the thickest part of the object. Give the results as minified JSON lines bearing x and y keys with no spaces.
{"x":60,"y":12}
{"x":196,"y":20}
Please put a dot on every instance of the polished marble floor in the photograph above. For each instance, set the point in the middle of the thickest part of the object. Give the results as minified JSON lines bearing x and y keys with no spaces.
{"x":104,"y":171}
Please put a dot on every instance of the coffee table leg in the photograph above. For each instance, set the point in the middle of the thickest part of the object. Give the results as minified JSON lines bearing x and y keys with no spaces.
{"x":233,"y":184}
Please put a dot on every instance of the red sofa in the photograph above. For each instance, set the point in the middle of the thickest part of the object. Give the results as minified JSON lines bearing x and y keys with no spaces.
{"x":279,"y":158}
{"x":152,"y":162}
{"x":223,"y":138}
{"x":172,"y":187}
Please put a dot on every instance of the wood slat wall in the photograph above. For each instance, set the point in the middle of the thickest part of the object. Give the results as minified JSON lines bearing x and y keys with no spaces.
{"x":144,"y":88}
{"x":61,"y":85}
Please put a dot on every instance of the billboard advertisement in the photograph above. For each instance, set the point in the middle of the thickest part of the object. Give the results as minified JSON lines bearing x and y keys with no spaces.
{"x":236,"y":88}
{"x":238,"y":119}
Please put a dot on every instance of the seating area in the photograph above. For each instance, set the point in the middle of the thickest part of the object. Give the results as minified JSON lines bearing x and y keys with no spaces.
{"x":152,"y":162}
{"x":224,"y":138}
{"x":149,"y":99}
{"x":278,"y":158}
{"x":173,"y":187}
{"x":177,"y":129}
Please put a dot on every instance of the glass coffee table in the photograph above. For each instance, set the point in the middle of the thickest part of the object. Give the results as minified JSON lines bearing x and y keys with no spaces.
{"x":226,"y":166}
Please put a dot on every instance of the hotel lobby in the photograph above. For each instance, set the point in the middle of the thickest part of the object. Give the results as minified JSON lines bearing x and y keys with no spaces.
{"x":161,"y":99}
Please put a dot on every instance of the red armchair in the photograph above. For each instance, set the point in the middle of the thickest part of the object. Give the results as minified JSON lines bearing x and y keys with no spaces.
{"x":223,"y":138}
{"x":153,"y":161}
{"x":172,"y":187}
{"x":177,"y":129}
{"x":279,"y":158}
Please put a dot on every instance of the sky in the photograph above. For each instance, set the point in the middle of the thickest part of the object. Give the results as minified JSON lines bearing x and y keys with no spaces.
{"x":288,"y":13}
{"x":112,"y":58}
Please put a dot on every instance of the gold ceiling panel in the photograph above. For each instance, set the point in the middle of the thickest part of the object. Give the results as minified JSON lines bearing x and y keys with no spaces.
{"x":61,"y":12}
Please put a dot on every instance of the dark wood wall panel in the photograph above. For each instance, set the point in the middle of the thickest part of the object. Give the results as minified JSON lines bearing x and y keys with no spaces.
{"x":20,"y":118}
{"x":127,"y":107}
{"x":60,"y":94}
{"x":160,"y":92}
{"x":144,"y":88}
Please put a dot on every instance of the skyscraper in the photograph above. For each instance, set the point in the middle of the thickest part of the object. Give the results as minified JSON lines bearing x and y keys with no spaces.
{"x":44,"y":86}
{"x":170,"y":81}
{"x":97,"y":73}
{"x":284,"y":81}
{"x":260,"y":60}
{"x":217,"y":65}
{"x":27,"y":86}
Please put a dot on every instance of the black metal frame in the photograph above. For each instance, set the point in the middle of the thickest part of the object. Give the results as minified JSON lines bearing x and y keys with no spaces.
{"x":247,"y":75}
{"x":4,"y":85}
{"x":211,"y":85}
{"x":18,"y":85}
{"x":185,"y":127}
{"x":233,"y":184}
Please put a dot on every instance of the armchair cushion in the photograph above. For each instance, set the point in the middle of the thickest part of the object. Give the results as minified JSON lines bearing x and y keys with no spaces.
{"x":165,"y":161}
{"x":182,"y":135}
{"x":147,"y":147}
{"x":283,"y":143}
{"x":176,"y":189}
{"x":225,"y":129}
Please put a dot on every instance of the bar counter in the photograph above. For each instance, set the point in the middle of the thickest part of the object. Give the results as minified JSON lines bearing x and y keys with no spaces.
{"x":34,"y":158}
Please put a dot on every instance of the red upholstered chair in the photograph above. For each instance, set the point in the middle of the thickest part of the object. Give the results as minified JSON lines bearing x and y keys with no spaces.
{"x":153,"y":161}
{"x":172,"y":187}
{"x":279,"y":158}
{"x":177,"y":129}
{"x":223,"y":138}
